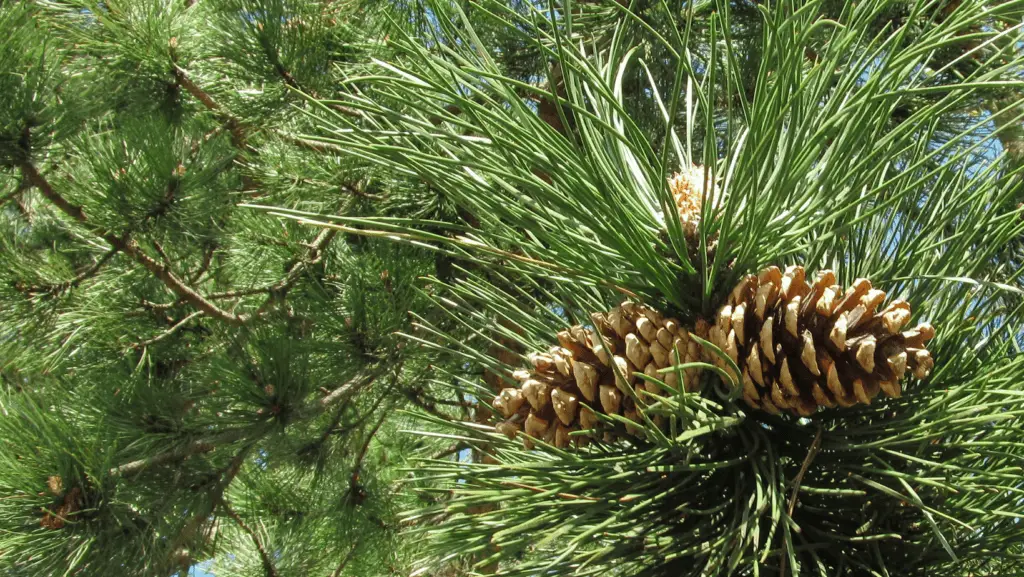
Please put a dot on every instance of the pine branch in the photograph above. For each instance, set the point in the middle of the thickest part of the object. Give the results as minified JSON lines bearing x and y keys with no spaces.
{"x":268,"y":563}
{"x":228,"y":437}
{"x":350,"y":388}
{"x":132,"y":249}
{"x":314,"y":255}
{"x":194,"y":448}
{"x":198,"y":518}
{"x":238,"y":293}
{"x":358,"y":466}
{"x":275,"y":61}
{"x":85,"y":275}
{"x":175,"y":328}
{"x":797,"y":481}
{"x":203,"y":267}
{"x":346,"y":560}
{"x":451,"y":450}
{"x":338,"y":414}
{"x":232,"y":123}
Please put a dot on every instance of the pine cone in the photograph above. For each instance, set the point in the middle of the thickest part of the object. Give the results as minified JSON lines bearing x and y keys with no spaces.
{"x":690,"y":190}
{"x":553,"y":398}
{"x":801,"y":346}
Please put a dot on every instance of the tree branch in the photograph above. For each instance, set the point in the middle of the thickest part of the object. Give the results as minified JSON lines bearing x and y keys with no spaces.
{"x":797,"y":481}
{"x":314,"y":255}
{"x":358,"y":466}
{"x":79,"y":279}
{"x":349,"y":388}
{"x":197,"y":519}
{"x":132,"y":249}
{"x":346,"y":560}
{"x":230,"y":122}
{"x":203,"y":267}
{"x":194,"y":448}
{"x":268,"y":563}
{"x":175,"y":328}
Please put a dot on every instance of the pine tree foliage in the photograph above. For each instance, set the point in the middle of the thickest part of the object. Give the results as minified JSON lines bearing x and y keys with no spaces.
{"x":874,"y":139}
{"x":184,"y":379}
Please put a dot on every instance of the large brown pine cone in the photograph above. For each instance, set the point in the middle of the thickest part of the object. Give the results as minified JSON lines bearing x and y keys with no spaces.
{"x":549,"y":403}
{"x":800,"y":346}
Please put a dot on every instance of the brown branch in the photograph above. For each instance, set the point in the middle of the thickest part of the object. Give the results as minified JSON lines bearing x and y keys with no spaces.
{"x":160,"y":306}
{"x":132,"y":249}
{"x":428,"y":408}
{"x":358,"y":466}
{"x":175,"y":328}
{"x":268,"y":563}
{"x":203,"y":267}
{"x":160,"y":251}
{"x":811,"y":453}
{"x":227,"y":476}
{"x":345,"y":561}
{"x":231,"y":436}
{"x":238,"y":293}
{"x":92,"y":270}
{"x":75,"y":282}
{"x":198,"y":93}
{"x":336,"y":419}
{"x":314,"y":254}
{"x":232,"y":123}
{"x":349,"y":388}
{"x":797,"y":481}
{"x":451,"y":450}
{"x":194,"y":448}
{"x":275,"y":60}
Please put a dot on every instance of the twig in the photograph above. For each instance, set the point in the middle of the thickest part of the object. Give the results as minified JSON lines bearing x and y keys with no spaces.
{"x":357,"y":467}
{"x":203,"y":267}
{"x":159,"y":306}
{"x":268,"y":563}
{"x":345,"y":561}
{"x":455,"y":448}
{"x":336,"y":420}
{"x":347,"y":389}
{"x":227,"y":476}
{"x":175,"y":328}
{"x":194,"y":448}
{"x":315,"y":254}
{"x":539,"y":490}
{"x":73,"y":283}
{"x":92,"y":270}
{"x":132,"y":249}
{"x":237,"y":293}
{"x":160,"y":251}
{"x":811,"y":453}
{"x":230,"y":122}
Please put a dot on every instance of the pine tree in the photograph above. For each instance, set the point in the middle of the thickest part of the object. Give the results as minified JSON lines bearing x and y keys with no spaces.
{"x":185,"y":378}
{"x":866,"y":142}
{"x":240,"y":235}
